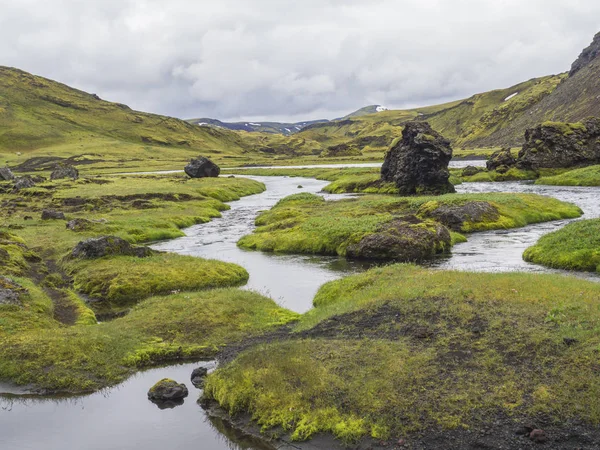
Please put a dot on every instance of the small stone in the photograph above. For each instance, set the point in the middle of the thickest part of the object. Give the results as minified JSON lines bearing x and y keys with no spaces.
{"x":24,"y":183}
{"x":167,"y":390}
{"x":570,"y":341}
{"x":300,"y":186}
{"x":538,"y":435}
{"x":79,"y":224}
{"x":198,"y":376}
{"x":27,"y":218}
{"x":6,"y":174}
{"x":51,"y":214}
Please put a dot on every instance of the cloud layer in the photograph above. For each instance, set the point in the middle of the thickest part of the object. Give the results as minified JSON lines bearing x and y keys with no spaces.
{"x":284,"y":59}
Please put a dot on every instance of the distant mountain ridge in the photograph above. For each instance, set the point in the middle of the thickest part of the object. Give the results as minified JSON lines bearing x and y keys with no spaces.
{"x":262,"y":127}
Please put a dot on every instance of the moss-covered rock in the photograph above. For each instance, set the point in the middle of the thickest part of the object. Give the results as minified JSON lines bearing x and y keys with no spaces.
{"x":167,"y":390}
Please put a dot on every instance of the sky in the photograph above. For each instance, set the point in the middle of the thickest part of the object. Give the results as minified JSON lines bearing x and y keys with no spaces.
{"x":291,"y":60}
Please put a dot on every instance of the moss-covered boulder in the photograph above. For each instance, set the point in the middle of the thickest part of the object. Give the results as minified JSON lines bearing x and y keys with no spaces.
{"x":167,"y":390}
{"x":10,"y":292}
{"x":108,"y":246}
{"x":501,"y":160}
{"x":455,"y":216}
{"x":418,"y":163}
{"x":406,"y":239}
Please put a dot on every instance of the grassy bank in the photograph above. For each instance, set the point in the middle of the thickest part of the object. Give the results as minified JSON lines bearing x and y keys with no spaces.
{"x":305,"y":223}
{"x":574,"y":247}
{"x":586,"y":176}
{"x":402,"y":349}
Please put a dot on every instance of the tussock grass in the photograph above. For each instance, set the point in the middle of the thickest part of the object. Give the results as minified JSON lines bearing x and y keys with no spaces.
{"x":586,"y":176}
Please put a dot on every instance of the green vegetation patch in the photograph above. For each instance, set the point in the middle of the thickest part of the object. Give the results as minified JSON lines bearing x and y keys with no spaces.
{"x":306,"y":223}
{"x":404,"y":349}
{"x":586,"y":176}
{"x":160,"y":330}
{"x":574,"y":247}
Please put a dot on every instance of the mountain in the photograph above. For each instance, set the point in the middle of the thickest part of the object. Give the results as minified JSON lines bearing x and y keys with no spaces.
{"x":254,"y":127}
{"x":371,"y":109}
{"x":43,"y":118}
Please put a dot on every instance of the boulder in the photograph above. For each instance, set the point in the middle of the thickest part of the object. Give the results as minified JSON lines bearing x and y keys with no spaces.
{"x":167,"y":390}
{"x":198,"y":376}
{"x":202,"y":167}
{"x":79,"y":224}
{"x":108,"y":246}
{"x":418,"y":163}
{"x":10,"y":292}
{"x":455,"y":216}
{"x":501,"y":160}
{"x":406,"y":239}
{"x":24,"y":182}
{"x":6,"y":174}
{"x":52,"y":214}
{"x":469,"y":171}
{"x":561,"y":145}
{"x":64,"y":171}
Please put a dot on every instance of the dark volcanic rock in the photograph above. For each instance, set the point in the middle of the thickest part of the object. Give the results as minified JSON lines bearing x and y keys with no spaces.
{"x":10,"y":292}
{"x":455,"y":216}
{"x":79,"y":224}
{"x":501,"y":160}
{"x":64,"y":171}
{"x":202,"y":167}
{"x":108,"y":246}
{"x":469,"y":171}
{"x":406,"y":239}
{"x":6,"y":174}
{"x":561,"y":145}
{"x":587,"y":56}
{"x":418,"y":163}
{"x":52,"y":214}
{"x":167,"y":390}
{"x":24,"y":182}
{"x":198,"y":376}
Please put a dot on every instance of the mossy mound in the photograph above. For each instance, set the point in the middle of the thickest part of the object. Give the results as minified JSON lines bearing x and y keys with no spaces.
{"x":586,"y":176}
{"x":167,"y":390}
{"x":574,"y":247}
{"x":399,"y":350}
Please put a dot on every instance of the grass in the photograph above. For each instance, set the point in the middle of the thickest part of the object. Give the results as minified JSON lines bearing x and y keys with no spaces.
{"x":305,"y":223}
{"x":413,"y":349}
{"x":178,"y":327}
{"x":573,"y":247}
{"x":586,"y":176}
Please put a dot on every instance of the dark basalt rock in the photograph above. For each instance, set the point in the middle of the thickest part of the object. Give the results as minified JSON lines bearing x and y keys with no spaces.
{"x":454,"y":216}
{"x":24,"y":182}
{"x":469,"y":171}
{"x":10,"y":292}
{"x":561,"y":145}
{"x":52,"y":214}
{"x":6,"y":174}
{"x":198,"y":376}
{"x":167,"y":390}
{"x":587,"y":56}
{"x":108,"y":246}
{"x":202,"y":167}
{"x":407,"y":239}
{"x":79,"y":224}
{"x":64,"y":171}
{"x":501,"y":160}
{"x":418,"y":163}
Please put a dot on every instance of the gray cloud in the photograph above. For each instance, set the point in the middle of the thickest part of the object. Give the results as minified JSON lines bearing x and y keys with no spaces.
{"x":284,"y":59}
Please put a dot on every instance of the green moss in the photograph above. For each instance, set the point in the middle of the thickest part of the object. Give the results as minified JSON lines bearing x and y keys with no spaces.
{"x":413,"y":349}
{"x":574,"y":247}
{"x":586,"y":176}
{"x":566,"y":128}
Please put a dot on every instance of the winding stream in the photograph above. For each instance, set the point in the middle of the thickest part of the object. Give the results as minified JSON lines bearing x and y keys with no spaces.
{"x":122,"y":418}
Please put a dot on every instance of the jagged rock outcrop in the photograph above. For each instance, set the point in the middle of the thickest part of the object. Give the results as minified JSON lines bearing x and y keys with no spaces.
{"x":6,"y":174}
{"x":10,"y":292}
{"x":501,"y":160}
{"x":561,"y":145}
{"x":202,"y":167}
{"x":64,"y":171}
{"x":24,"y":182}
{"x":108,"y":246}
{"x":407,"y":239}
{"x":587,"y":56}
{"x":418,"y":163}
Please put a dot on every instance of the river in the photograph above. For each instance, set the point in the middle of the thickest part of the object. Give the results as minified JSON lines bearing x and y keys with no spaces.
{"x":122,"y":418}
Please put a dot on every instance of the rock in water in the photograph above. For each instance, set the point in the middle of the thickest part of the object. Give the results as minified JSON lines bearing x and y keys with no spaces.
{"x":167,"y":390}
{"x":198,"y":376}
{"x":501,"y":160}
{"x":561,"y":145}
{"x":108,"y":246}
{"x":418,"y":163}
{"x":202,"y":167}
{"x":64,"y":171}
{"x":6,"y":174}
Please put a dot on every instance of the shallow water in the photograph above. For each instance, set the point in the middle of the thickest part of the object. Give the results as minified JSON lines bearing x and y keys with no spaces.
{"x":122,"y":418}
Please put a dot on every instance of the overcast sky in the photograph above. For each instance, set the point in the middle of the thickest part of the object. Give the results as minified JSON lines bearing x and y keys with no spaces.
{"x":284,"y":59}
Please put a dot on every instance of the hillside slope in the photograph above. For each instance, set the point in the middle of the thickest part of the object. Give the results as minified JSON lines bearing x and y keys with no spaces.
{"x":254,"y":127}
{"x":44,"y":118}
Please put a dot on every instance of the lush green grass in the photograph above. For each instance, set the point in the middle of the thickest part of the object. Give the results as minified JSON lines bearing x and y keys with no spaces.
{"x":513,"y":174}
{"x":120,"y":281}
{"x":574,"y":247}
{"x":162,"y":329}
{"x":586,"y":176}
{"x":415,"y":349}
{"x":305,"y":223}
